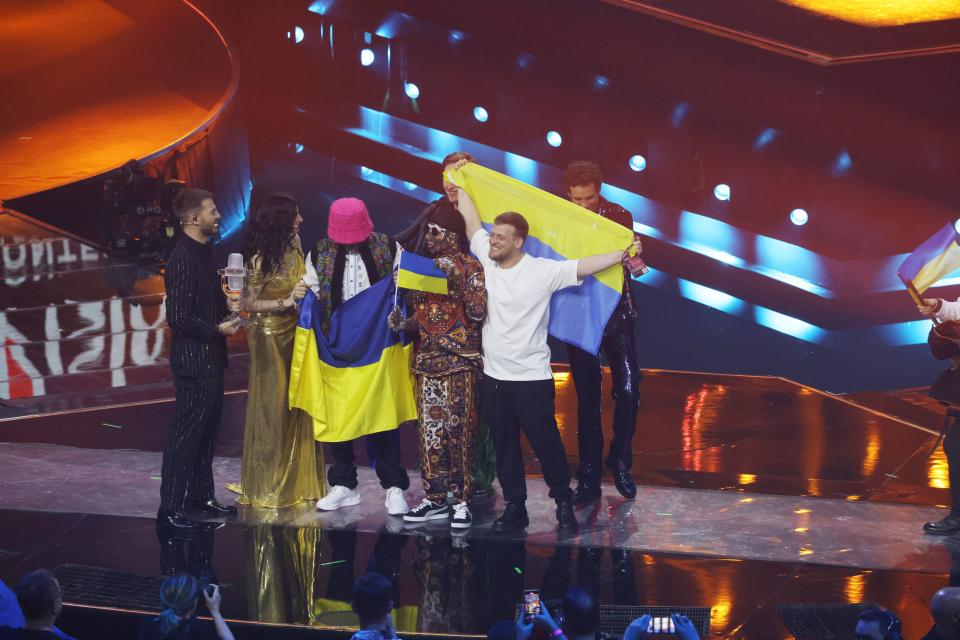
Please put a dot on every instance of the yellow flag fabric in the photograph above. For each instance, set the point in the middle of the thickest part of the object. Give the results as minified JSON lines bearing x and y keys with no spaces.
{"x":567,"y":229}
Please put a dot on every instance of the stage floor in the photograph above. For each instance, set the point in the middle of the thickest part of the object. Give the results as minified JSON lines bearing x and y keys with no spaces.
{"x":755,"y":493}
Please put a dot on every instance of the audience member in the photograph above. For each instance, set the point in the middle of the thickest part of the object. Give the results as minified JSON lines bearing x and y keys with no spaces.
{"x":877,"y":624}
{"x":37,"y":606}
{"x":945,"y":610}
{"x":581,"y":614}
{"x":179,"y":596}
{"x":373,"y":602}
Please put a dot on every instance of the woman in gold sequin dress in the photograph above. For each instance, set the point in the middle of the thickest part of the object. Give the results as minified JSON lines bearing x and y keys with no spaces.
{"x":280,"y":466}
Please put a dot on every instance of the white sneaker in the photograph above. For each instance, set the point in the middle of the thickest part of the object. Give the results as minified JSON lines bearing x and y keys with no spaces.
{"x":339,"y":496}
{"x":461,"y":516}
{"x":395,"y":503}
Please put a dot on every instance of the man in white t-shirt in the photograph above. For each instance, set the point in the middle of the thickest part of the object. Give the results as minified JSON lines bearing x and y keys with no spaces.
{"x":517,"y":390}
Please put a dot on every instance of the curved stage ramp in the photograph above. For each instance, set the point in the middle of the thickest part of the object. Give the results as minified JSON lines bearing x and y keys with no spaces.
{"x":96,"y":83}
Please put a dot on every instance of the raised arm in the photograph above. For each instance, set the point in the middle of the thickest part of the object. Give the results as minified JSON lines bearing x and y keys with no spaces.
{"x":596,"y":263}
{"x":469,"y":212}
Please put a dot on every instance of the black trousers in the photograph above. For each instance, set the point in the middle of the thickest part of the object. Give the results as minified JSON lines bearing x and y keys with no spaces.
{"x":508,"y":407}
{"x":187,"y":470}
{"x":343,"y":471}
{"x":621,"y":354}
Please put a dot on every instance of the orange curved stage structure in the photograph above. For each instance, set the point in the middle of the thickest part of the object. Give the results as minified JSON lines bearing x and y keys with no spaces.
{"x":92,"y":84}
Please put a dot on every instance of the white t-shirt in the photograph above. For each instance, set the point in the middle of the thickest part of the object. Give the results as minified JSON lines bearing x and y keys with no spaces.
{"x":518,"y":310}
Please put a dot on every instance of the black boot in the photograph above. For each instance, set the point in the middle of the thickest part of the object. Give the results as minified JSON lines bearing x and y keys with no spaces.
{"x":566,"y":518}
{"x":210,"y":507}
{"x":174,"y":521}
{"x":585,"y":493}
{"x":513,"y":518}
{"x":623,"y":480}
{"x":950,"y":524}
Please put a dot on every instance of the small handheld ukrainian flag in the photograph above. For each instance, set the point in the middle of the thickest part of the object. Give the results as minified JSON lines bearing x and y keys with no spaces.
{"x":932,"y":261}
{"x":420,"y":274}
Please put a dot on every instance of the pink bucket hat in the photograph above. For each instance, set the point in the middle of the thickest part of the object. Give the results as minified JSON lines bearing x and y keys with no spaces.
{"x":349,"y":221}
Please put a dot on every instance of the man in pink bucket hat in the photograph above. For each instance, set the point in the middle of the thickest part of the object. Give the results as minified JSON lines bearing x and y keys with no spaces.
{"x":351,"y":258}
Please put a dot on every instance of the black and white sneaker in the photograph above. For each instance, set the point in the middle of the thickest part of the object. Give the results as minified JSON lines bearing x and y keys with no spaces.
{"x":461,"y":516}
{"x":427,"y":510}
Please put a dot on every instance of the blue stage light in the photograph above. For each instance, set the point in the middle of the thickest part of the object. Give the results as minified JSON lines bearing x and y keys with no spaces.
{"x":722,"y":192}
{"x":524,"y":60}
{"x":456,"y":36}
{"x":367,"y":57}
{"x":297,"y":35}
{"x":799,"y":217}
{"x":410,"y":186}
{"x":679,"y":114}
{"x":956,"y":226}
{"x":638,"y":162}
{"x":554,"y":139}
{"x":601,"y":82}
{"x":366,"y":172}
{"x":765,"y":139}
{"x":296,"y":147}
{"x":480,"y":114}
{"x":412,"y":90}
{"x":842,"y":164}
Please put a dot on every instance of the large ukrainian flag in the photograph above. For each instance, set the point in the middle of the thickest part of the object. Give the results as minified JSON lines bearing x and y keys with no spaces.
{"x":356,"y":380}
{"x":559,"y":230}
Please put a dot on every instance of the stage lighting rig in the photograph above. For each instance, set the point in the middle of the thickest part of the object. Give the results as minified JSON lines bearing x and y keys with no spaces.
{"x":138,"y":211}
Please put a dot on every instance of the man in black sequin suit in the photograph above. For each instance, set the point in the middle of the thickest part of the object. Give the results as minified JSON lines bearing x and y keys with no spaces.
{"x":583,"y":181}
{"x":197,"y":315}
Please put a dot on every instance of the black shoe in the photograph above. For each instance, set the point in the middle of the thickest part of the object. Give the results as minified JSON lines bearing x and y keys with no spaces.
{"x":623,"y":480}
{"x":950,"y":524}
{"x":513,"y":518}
{"x":585,"y":494}
{"x":566,"y":518}
{"x":174,"y":522}
{"x":210,"y":507}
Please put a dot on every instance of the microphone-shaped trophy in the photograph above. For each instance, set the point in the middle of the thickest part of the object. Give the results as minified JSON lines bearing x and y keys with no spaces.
{"x":233,"y":278}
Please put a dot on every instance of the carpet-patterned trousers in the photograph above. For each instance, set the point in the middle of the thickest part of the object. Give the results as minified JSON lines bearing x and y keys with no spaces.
{"x":447,"y":409}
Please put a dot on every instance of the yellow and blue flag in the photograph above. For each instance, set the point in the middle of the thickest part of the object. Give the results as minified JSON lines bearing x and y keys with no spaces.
{"x":932,"y":261}
{"x":420,"y":274}
{"x":355,"y":380}
{"x":559,"y":230}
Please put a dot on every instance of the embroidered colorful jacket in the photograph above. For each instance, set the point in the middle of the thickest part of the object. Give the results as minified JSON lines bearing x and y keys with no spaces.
{"x":328,"y":260}
{"x":449,"y":326}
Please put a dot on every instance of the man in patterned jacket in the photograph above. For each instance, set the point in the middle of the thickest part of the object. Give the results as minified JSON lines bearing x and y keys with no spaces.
{"x":447,"y":366}
{"x":350,"y":259}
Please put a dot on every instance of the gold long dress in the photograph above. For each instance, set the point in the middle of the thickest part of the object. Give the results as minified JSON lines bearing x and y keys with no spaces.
{"x":280,"y":466}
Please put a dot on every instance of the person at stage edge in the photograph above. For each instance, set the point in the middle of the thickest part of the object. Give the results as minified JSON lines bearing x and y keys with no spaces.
{"x":414,"y":238}
{"x":583,"y":180}
{"x":945,"y":349}
{"x":447,"y":368}
{"x":517,"y":390}
{"x":197,"y":315}
{"x":348,"y":261}
{"x":280,"y":466}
